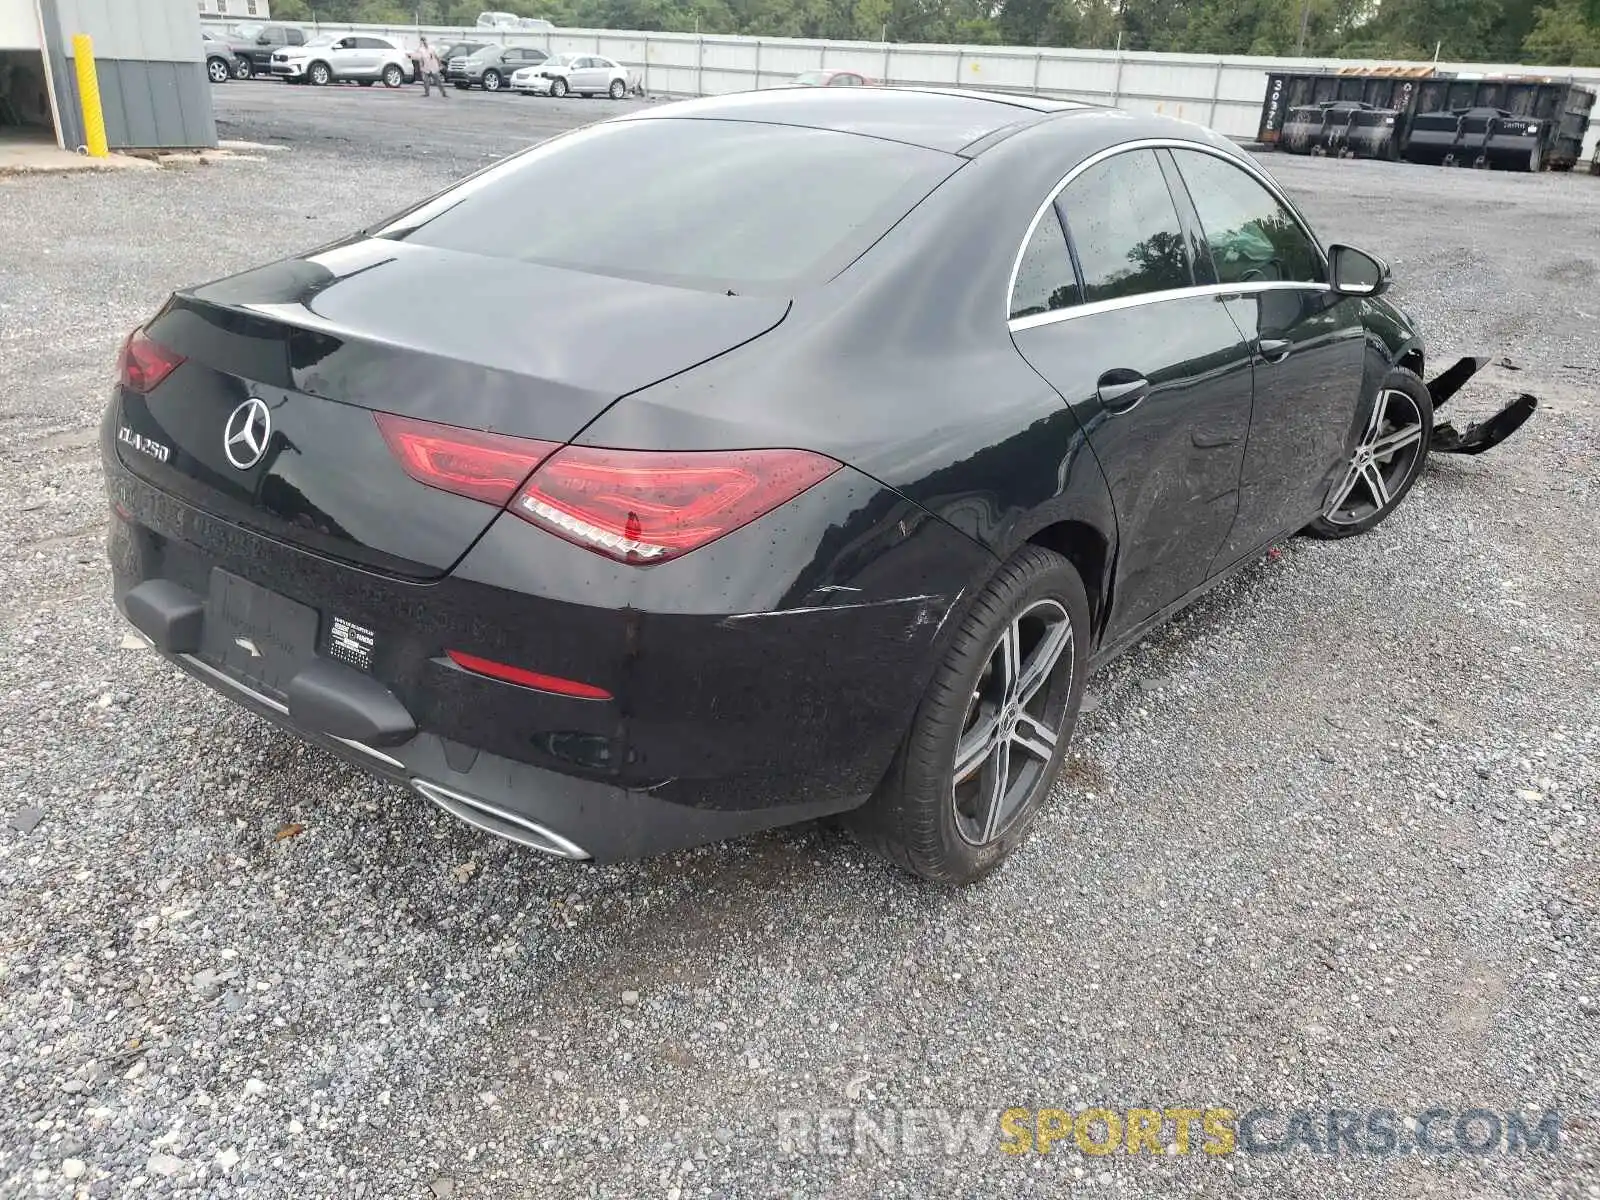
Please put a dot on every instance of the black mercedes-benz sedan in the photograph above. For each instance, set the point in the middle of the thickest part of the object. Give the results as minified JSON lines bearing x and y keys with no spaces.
{"x":805,"y":467}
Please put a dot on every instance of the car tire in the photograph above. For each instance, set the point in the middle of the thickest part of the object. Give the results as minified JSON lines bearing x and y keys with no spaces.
{"x":917,"y":818}
{"x":558,"y":88}
{"x":491,"y":81}
{"x":393,"y":76}
{"x":1373,"y":486}
{"x":245,"y":69}
{"x":618,"y":89}
{"x":319,"y":74}
{"x":218,"y":70}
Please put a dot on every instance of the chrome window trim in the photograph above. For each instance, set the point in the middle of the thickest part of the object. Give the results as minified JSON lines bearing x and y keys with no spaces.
{"x":1100,"y":156}
{"x":1222,"y":291}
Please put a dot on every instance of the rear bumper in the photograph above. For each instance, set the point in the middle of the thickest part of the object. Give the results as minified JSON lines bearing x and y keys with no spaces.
{"x":544,"y":810}
{"x":749,"y":689}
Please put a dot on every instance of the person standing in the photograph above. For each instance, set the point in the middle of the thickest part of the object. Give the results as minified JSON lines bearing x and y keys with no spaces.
{"x":428,"y":68}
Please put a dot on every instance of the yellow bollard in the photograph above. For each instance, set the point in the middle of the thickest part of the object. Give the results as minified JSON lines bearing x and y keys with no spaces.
{"x":94,"y":118}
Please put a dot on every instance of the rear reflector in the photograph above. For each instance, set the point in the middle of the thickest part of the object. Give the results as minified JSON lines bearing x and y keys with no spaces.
{"x":480,"y":466}
{"x":532,"y":679}
{"x":142,"y":363}
{"x":647,"y":506}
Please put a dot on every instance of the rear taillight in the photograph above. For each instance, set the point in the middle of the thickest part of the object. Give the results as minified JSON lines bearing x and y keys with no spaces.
{"x":142,"y":363}
{"x":647,"y":506}
{"x":480,"y":466}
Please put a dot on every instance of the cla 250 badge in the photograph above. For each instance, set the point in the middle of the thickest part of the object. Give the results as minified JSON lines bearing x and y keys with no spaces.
{"x":143,"y":444}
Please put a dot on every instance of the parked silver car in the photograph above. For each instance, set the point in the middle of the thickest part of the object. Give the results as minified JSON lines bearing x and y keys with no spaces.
{"x":579,"y":74}
{"x":329,"y":57}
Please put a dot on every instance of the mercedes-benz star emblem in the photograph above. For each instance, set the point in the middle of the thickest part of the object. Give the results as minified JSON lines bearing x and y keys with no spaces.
{"x":245,"y":436}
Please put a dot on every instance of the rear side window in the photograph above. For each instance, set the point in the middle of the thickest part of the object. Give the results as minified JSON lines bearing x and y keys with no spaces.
{"x":723,"y":205}
{"x":1125,"y":229}
{"x":1045,"y":281}
{"x":1252,"y":237}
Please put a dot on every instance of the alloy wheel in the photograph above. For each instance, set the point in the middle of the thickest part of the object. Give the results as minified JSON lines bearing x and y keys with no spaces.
{"x":1013,"y":722}
{"x":1383,"y":462}
{"x":218,"y":71}
{"x":491,"y":82}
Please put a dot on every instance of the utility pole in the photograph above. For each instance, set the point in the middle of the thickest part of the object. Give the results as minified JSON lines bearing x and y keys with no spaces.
{"x":1305,"y":25}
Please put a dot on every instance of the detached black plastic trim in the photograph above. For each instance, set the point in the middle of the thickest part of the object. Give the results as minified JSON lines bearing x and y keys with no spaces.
{"x":342,"y":702}
{"x":167,"y":613}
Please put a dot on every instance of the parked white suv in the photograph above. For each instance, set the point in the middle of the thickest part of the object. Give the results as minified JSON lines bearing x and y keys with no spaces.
{"x":505,"y":20}
{"x":330,"y":57}
{"x":581,"y":74}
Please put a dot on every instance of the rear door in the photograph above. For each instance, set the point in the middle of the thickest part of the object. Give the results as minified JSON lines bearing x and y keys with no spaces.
{"x":1156,"y":371}
{"x":591,"y":75}
{"x":362,"y":56}
{"x":1307,"y":343}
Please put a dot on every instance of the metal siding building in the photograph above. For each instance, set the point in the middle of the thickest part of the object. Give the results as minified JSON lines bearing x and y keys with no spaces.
{"x":149,"y":61}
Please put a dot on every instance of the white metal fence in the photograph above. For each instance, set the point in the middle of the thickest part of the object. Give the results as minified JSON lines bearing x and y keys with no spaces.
{"x":1224,"y":93}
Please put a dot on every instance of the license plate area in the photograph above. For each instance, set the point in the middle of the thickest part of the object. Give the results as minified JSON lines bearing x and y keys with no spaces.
{"x":255,"y":635}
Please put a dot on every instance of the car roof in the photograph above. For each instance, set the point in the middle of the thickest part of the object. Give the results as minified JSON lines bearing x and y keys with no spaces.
{"x":949,"y":119}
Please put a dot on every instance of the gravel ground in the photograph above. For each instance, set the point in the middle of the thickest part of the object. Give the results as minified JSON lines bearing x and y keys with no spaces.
{"x":1329,"y":840}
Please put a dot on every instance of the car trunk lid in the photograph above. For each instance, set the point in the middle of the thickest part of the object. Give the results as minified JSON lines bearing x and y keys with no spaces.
{"x":325,"y":341}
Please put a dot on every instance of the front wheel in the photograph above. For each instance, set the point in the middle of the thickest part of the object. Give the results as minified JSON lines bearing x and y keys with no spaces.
{"x":491,"y":81}
{"x":244,"y":69}
{"x":988,"y":739}
{"x":1388,"y":458}
{"x":393,"y":76}
{"x":558,"y":88}
{"x":618,"y":89}
{"x":320,"y":75}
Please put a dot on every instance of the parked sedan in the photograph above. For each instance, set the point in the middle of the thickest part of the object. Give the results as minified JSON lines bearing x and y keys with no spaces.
{"x":222,"y":64}
{"x":492,"y":67}
{"x":330,"y":58}
{"x":579,"y":74}
{"x":828,"y":503}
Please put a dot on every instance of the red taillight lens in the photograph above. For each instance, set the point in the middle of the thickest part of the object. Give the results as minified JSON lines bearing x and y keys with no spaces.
{"x":532,"y":679}
{"x":647,"y":506}
{"x":480,"y":466}
{"x":143,"y":364}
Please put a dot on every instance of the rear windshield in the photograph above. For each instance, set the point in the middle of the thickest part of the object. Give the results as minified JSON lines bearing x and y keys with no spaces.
{"x":724,"y":205}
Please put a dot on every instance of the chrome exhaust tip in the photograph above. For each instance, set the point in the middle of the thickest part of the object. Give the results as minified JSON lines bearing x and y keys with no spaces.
{"x":492,"y":819}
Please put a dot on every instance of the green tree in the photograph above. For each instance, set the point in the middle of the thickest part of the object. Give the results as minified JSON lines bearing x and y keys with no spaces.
{"x":1564,"y":34}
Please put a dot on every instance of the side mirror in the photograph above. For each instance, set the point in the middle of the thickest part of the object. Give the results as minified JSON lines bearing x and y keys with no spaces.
{"x":1357,"y":273}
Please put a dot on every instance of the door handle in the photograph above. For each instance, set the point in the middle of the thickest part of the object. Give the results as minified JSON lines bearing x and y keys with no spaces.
{"x":1274,"y":349}
{"x":1122,"y":390}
